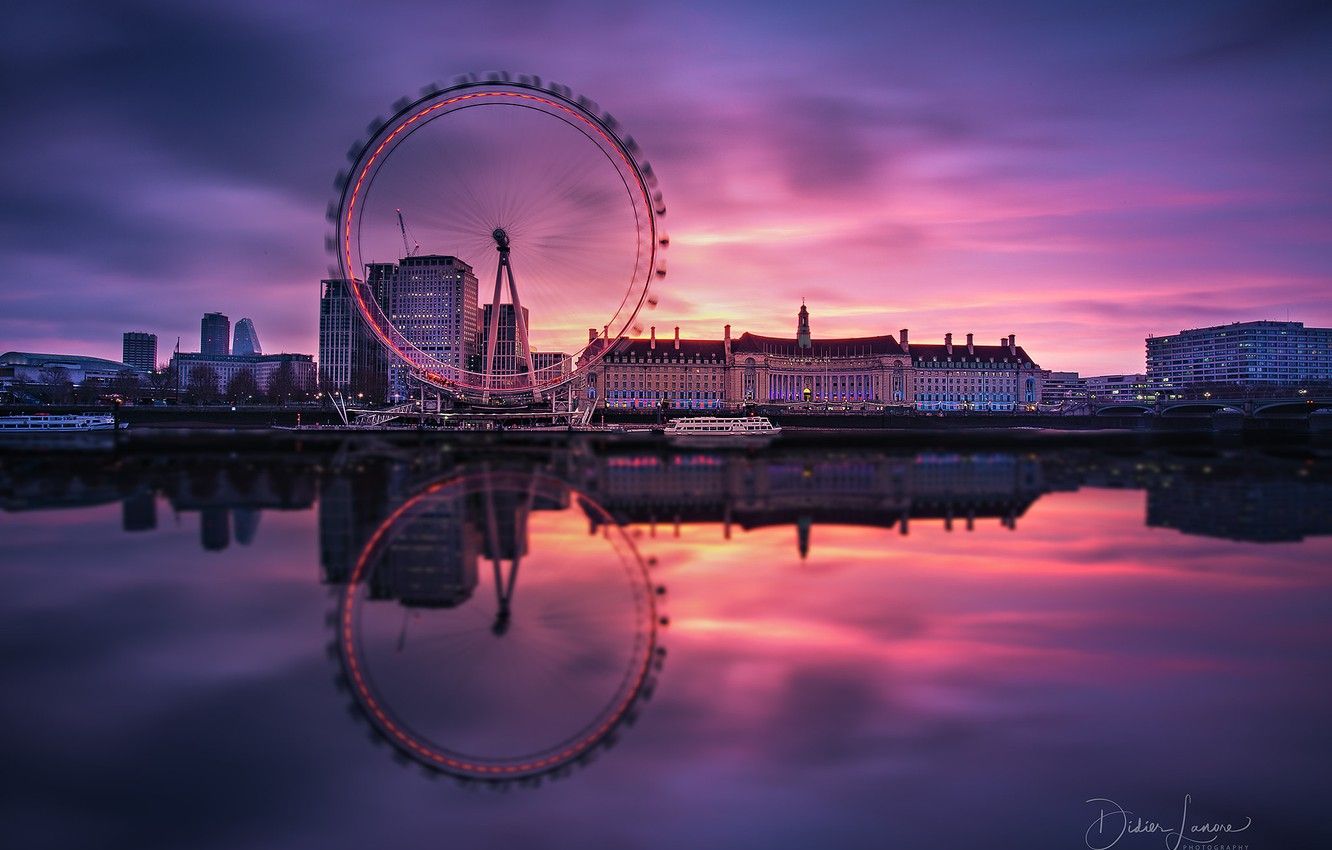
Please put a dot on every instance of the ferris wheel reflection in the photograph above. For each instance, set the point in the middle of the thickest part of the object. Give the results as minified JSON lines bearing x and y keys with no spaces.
{"x":480,"y":683}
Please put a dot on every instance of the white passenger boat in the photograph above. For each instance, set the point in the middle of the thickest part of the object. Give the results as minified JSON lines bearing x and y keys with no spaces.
{"x":719,"y":432}
{"x":70,"y":423}
{"x":58,"y":433}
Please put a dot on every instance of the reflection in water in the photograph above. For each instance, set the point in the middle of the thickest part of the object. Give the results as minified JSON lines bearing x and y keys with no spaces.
{"x":478,"y":691}
{"x":864,"y":646}
{"x":1235,"y":496}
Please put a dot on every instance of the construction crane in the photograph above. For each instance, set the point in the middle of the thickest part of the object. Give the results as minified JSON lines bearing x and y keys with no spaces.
{"x":407,"y":246}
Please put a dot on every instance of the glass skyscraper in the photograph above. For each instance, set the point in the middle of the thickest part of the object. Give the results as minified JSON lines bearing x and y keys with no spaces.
{"x":215,"y":334}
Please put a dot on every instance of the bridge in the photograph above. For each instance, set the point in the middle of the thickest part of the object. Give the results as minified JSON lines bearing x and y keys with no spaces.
{"x":1274,"y":408}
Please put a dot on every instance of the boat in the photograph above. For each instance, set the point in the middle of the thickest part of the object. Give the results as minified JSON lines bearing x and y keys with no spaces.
{"x":59,"y":432}
{"x":720,"y":432}
{"x":70,"y":423}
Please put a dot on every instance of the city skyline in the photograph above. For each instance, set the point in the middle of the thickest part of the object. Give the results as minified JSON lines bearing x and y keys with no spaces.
{"x":1080,"y":193}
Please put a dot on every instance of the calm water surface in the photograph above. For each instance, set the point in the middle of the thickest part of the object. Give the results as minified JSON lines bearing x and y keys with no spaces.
{"x":925,"y":649}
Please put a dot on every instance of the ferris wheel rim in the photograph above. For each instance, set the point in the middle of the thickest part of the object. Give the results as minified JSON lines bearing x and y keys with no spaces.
{"x":579,"y":113}
{"x":629,"y":690}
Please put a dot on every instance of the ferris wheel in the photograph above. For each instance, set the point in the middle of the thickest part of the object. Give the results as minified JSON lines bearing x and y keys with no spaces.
{"x":485,"y":635}
{"x":498,"y":235}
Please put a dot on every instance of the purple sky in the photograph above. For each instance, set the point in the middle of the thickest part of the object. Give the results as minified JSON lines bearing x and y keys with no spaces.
{"x":1078,"y":176}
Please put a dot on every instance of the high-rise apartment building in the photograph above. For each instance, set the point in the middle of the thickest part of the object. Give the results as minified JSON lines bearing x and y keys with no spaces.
{"x":215,"y":334}
{"x":139,"y":350}
{"x":246,"y":339}
{"x":1263,"y":352}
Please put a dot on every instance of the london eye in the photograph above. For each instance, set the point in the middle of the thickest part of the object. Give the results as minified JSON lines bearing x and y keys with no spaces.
{"x":498,"y":627}
{"x":503,"y":180}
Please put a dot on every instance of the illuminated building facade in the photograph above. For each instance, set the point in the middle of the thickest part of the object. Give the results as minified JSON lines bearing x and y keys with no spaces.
{"x":432,"y":301}
{"x":1240,"y":353}
{"x":856,"y":371}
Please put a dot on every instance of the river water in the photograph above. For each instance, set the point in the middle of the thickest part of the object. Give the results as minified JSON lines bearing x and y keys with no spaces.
{"x":382,"y":648}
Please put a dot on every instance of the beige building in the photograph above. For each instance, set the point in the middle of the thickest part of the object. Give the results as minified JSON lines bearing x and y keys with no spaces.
{"x":879,"y":370}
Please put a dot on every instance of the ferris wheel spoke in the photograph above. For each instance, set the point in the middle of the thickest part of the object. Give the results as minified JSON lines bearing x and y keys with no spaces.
{"x":569,"y":195}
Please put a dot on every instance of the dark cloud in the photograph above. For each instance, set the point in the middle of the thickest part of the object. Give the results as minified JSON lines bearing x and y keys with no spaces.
{"x":1256,"y":30}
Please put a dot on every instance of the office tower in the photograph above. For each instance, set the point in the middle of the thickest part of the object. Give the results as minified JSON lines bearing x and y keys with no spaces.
{"x":215,"y":334}
{"x":432,"y":302}
{"x":507,"y":361}
{"x":246,"y":340}
{"x":139,"y":350}
{"x":351,"y":359}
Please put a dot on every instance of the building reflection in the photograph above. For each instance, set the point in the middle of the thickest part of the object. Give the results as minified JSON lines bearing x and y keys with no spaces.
{"x":431,"y":562}
{"x":228,"y":494}
{"x":877,"y":490}
{"x":1208,"y":503}
{"x":1237,"y":496}
{"x":549,"y":682}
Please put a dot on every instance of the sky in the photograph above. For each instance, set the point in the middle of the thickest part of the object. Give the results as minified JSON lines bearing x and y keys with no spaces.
{"x":1078,"y":174}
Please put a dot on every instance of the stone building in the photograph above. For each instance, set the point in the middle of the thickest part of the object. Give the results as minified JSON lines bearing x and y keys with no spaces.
{"x":883,"y":370}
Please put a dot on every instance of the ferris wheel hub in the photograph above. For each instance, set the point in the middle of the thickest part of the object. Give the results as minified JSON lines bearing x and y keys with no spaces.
{"x":501,"y":240}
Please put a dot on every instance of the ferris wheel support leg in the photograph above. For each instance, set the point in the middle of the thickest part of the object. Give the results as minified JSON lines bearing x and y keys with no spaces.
{"x":493,"y":336}
{"x":524,"y":352}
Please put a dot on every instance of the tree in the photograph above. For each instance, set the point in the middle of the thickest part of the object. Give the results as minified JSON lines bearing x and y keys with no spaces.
{"x":242,"y":386}
{"x":282,"y":385}
{"x":126,"y":384}
{"x":89,"y":391}
{"x":203,"y":384}
{"x":58,"y":385}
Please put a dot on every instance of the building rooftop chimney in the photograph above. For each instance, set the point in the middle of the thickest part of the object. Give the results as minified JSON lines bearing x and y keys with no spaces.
{"x":904,"y":340}
{"x":1012,"y":343}
{"x":677,"y":337}
{"x":971,"y":346}
{"x":653,"y":344}
{"x":948,"y":343}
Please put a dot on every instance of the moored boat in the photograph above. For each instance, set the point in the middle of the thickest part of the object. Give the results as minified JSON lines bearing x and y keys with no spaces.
{"x":46,"y":423}
{"x":59,"y":432}
{"x":717,"y":431}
